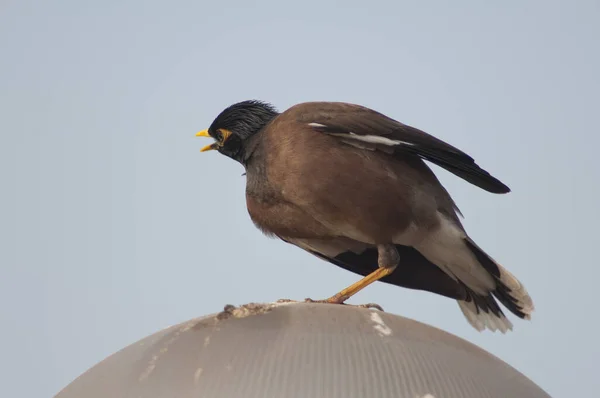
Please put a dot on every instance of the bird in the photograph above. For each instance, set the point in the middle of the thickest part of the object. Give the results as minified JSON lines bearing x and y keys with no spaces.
{"x":352,"y":186}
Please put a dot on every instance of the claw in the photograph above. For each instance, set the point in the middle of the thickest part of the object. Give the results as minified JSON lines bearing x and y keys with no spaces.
{"x":326,"y":301}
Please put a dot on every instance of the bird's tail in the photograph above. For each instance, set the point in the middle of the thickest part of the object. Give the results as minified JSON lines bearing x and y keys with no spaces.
{"x":483,"y":311}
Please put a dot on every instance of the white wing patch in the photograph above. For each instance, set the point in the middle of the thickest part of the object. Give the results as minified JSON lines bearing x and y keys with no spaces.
{"x":371,"y":139}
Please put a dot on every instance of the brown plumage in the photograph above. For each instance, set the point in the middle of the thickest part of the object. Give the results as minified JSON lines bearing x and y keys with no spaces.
{"x":350,"y":186}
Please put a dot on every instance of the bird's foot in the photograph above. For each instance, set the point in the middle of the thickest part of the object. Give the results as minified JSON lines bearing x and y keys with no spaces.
{"x":333,"y":300}
{"x":330,"y":300}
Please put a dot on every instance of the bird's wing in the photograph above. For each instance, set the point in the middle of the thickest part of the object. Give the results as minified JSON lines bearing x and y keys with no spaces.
{"x":365,"y":128}
{"x":415,"y":272}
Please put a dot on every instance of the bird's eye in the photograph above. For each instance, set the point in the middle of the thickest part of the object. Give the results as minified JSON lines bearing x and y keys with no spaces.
{"x":221,"y":135}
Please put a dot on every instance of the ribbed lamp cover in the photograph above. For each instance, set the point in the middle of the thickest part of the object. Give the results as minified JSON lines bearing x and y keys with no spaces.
{"x":302,"y":350}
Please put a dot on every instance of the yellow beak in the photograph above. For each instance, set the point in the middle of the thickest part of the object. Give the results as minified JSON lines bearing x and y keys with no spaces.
{"x":209,"y":147}
{"x":204,"y":133}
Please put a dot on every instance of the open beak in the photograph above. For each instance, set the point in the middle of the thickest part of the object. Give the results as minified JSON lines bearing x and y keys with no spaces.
{"x":204,"y":133}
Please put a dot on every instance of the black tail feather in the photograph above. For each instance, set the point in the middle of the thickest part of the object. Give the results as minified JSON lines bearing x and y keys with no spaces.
{"x":502,"y":292}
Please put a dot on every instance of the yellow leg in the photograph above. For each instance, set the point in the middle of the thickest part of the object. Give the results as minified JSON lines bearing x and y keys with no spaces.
{"x":351,"y":290}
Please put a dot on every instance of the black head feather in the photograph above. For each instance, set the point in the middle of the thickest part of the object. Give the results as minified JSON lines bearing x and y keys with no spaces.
{"x":243,"y":120}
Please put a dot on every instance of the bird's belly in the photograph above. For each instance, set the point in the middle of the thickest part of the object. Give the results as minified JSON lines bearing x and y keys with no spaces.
{"x":367,"y":211}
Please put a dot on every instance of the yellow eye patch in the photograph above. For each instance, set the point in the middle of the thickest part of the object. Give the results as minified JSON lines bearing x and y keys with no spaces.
{"x":225,"y":134}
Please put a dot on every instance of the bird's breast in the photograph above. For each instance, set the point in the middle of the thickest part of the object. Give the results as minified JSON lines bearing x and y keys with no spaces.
{"x":275,"y":216}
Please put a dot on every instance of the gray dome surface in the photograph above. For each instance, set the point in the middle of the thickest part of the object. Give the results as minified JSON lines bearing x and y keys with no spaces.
{"x":295,"y":350}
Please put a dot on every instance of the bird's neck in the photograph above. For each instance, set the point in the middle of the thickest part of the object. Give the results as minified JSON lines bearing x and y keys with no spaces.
{"x":251,"y":150}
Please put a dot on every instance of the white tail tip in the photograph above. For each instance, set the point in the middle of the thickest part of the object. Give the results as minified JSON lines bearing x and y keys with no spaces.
{"x":482,"y":320}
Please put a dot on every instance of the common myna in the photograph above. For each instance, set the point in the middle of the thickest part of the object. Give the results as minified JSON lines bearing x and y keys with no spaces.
{"x":350,"y":185}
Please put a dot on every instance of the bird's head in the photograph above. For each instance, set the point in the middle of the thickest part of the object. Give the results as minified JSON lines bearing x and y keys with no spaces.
{"x":234,"y":125}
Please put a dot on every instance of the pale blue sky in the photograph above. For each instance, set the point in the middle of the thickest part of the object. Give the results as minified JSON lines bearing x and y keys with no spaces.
{"x":114,"y":225}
